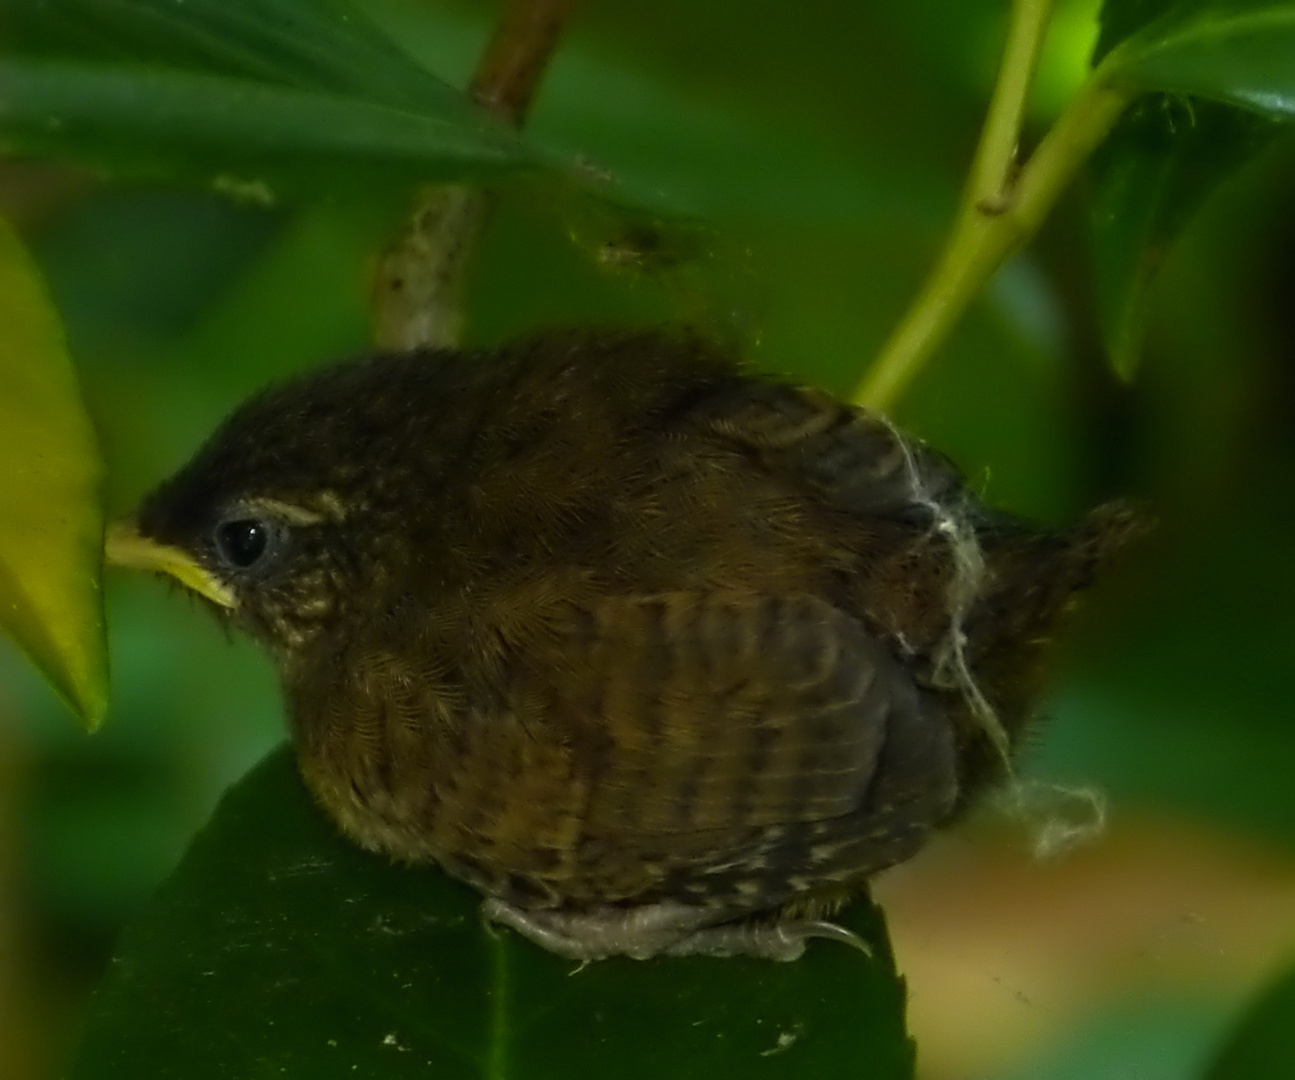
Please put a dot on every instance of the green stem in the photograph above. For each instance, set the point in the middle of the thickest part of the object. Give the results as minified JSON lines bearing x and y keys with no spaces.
{"x":998,"y":215}
{"x":996,"y":153}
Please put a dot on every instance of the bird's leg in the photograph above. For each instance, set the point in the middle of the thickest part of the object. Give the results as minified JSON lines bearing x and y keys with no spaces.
{"x":664,"y":929}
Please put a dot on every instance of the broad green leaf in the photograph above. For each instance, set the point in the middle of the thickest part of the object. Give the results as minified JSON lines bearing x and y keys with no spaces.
{"x":324,"y":45}
{"x":298,"y":95}
{"x":170,"y":122}
{"x":1240,"y":52}
{"x":51,"y":529}
{"x":1162,"y":161}
{"x":1121,"y":19}
{"x":278,"y":949}
{"x":1263,"y":1045}
{"x":1175,"y":147}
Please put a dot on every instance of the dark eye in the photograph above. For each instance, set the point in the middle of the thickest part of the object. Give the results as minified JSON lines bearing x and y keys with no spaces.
{"x":243,"y":542}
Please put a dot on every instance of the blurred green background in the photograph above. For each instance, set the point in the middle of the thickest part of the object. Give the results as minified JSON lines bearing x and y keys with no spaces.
{"x":823,"y":144}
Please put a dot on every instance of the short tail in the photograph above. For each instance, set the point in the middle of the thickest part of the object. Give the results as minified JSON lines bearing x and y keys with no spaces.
{"x":1032,"y":581}
{"x":1101,"y":536}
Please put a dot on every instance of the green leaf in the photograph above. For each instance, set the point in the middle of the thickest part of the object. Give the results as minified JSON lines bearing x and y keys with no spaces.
{"x":296,"y":95}
{"x":168,"y":122}
{"x":51,"y":529}
{"x":278,"y":949}
{"x":1240,"y":52}
{"x":1177,"y":145}
{"x":1121,"y":19}
{"x":1263,"y":1045}
{"x":1165,"y":157}
{"x":324,"y":45}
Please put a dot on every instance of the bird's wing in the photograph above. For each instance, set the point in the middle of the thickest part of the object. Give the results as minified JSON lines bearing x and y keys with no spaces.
{"x":852,"y":459}
{"x":718,"y":736}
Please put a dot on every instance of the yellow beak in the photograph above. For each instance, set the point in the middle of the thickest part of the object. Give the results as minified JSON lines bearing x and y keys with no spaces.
{"x":123,"y":546}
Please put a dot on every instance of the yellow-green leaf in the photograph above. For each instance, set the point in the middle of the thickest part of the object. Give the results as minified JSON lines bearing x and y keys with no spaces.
{"x":51,"y":525}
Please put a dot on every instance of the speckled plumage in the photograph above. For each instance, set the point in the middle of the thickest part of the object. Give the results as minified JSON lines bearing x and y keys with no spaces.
{"x":600,"y":623}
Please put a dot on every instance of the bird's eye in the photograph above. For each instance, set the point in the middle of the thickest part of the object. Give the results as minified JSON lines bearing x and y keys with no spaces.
{"x":243,"y":542}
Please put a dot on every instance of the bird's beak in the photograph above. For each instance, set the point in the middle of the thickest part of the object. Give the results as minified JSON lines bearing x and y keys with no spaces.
{"x":124,"y":546}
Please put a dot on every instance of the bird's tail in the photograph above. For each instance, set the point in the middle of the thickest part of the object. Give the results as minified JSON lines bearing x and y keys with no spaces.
{"x":1032,"y":581}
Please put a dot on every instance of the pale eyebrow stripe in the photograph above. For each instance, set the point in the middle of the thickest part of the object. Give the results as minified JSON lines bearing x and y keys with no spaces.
{"x":289,"y":512}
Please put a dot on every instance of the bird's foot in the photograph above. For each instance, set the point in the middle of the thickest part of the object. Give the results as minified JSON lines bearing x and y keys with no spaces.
{"x":764,"y":940}
{"x":641,"y":932}
{"x":663,"y":929}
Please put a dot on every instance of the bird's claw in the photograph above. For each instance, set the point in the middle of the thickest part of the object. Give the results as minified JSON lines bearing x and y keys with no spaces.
{"x":663,"y":929}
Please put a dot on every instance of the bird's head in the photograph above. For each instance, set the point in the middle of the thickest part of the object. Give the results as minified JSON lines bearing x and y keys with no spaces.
{"x":305,"y":502}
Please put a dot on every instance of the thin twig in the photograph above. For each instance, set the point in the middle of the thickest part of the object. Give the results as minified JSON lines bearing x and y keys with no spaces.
{"x":1000,"y":211}
{"x":513,"y":63}
{"x":418,"y":284}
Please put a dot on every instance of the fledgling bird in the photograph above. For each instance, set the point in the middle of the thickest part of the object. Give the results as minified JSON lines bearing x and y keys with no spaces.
{"x":659,"y":655}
